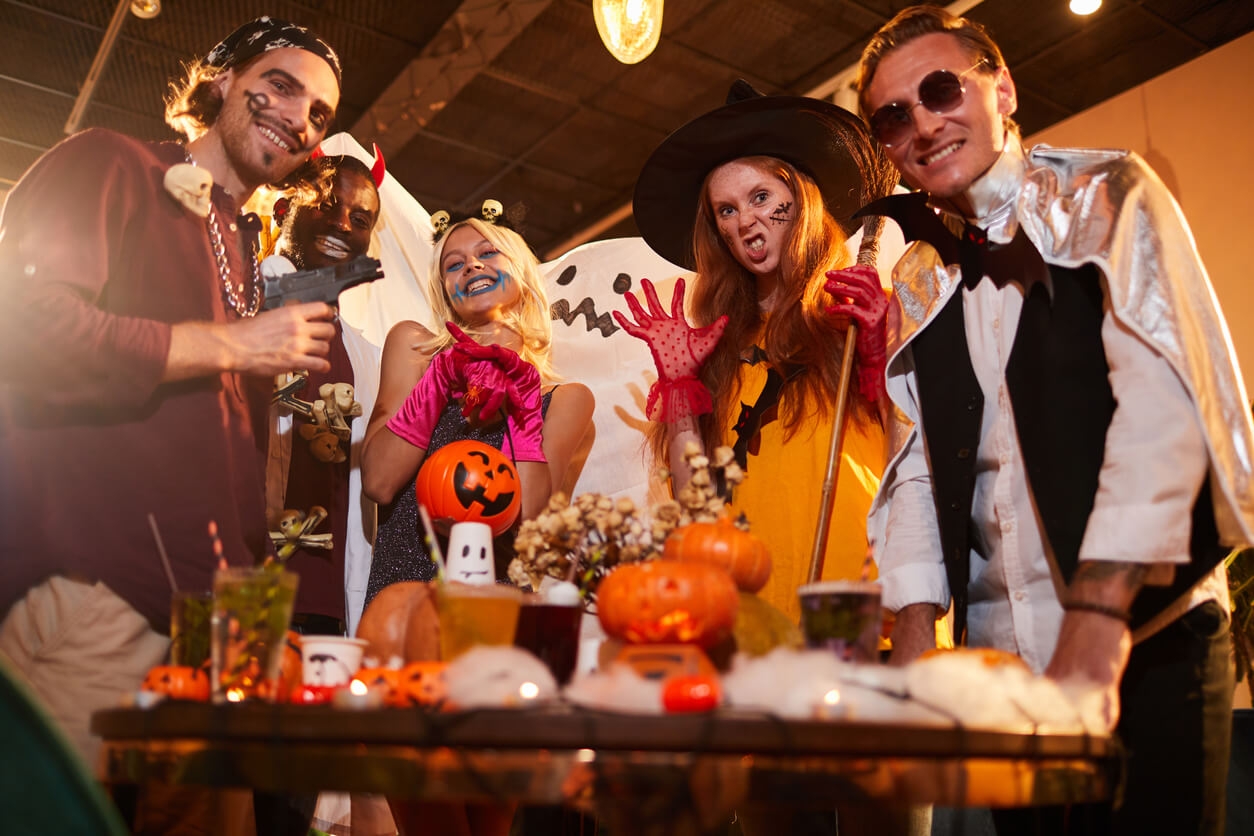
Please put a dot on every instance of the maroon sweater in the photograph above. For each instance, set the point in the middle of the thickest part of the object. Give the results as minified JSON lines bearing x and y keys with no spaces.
{"x":97,"y":261}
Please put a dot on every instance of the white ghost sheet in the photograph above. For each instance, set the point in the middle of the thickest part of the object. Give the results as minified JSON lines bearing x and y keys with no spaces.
{"x":585,"y":285}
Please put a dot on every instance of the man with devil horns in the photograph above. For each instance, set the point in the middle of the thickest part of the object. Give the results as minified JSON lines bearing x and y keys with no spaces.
{"x":131,"y":328}
{"x":1073,"y":455}
{"x":313,"y":437}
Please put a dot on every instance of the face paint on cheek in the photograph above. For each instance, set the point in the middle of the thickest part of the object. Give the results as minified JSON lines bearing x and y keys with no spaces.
{"x":256,"y":102}
{"x":782,"y":213}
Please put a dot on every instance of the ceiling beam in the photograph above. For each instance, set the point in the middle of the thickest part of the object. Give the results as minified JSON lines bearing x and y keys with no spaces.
{"x":467,"y":43}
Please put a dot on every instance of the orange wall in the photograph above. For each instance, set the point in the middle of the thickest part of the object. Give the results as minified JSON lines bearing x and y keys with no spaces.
{"x":1195,"y":126}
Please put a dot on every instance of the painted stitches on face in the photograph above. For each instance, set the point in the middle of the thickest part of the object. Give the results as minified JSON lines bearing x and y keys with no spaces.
{"x":782,"y":213}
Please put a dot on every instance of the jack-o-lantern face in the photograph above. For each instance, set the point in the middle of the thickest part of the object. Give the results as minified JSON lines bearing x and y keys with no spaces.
{"x":178,"y":682}
{"x":469,"y":481}
{"x":423,"y":683}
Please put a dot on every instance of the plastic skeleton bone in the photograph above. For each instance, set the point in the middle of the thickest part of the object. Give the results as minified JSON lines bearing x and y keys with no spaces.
{"x":334,"y":408}
{"x":294,"y":531}
{"x":285,"y":394}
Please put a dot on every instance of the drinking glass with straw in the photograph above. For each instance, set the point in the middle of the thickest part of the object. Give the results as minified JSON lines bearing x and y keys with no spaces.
{"x":252,"y":610}
{"x":189,"y":612}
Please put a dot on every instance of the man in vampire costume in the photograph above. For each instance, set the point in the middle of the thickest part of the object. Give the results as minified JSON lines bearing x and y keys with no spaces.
{"x":1071,"y":455}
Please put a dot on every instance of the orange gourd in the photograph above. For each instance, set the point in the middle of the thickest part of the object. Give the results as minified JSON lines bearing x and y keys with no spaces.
{"x":178,"y":682}
{"x":722,"y":543}
{"x":660,"y":601}
{"x":469,"y":481}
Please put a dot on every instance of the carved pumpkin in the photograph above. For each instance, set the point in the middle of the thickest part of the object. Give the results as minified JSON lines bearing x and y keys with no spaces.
{"x":661,"y":601}
{"x":422,"y":683}
{"x":178,"y":682}
{"x":469,"y":481}
{"x":721,"y":543}
{"x":388,"y":679}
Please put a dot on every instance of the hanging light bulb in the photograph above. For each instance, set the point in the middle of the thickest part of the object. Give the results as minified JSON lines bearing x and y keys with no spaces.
{"x":629,"y":28}
{"x":146,"y":9}
{"x":1085,"y":7}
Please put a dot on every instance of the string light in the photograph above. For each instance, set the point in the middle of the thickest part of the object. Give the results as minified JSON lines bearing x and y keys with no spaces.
{"x":630,"y":29}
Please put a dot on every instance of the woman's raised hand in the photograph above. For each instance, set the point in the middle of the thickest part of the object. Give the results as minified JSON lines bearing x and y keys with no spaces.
{"x":679,"y":351}
{"x":860,"y":298}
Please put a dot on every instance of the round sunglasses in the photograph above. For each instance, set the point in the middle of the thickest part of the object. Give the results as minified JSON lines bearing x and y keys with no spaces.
{"x":940,"y":91}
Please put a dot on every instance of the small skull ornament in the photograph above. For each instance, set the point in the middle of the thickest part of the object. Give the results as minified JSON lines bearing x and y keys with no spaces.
{"x":492,"y":210}
{"x":191,"y":186}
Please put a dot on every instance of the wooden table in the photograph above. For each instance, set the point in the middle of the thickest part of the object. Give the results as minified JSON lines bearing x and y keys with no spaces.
{"x":643,"y":774}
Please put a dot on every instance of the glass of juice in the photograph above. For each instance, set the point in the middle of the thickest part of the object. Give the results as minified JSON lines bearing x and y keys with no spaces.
{"x":189,"y":628}
{"x":476,"y":614}
{"x":252,"y":609}
{"x":551,"y":632}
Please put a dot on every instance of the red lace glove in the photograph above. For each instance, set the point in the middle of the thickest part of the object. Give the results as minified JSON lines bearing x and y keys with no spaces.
{"x":679,"y":351}
{"x":417,"y":417}
{"x":496,"y":376}
{"x":861,"y":299}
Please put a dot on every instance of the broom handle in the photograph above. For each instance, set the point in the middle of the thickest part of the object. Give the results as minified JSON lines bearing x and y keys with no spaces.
{"x":867,"y":254}
{"x":833,"y":457}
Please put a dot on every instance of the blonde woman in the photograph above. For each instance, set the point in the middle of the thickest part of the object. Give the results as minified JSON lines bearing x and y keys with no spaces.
{"x":487,"y":283}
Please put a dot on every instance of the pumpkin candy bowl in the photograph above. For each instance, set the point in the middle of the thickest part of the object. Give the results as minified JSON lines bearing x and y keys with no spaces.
{"x":469,"y":481}
{"x":666,"y":601}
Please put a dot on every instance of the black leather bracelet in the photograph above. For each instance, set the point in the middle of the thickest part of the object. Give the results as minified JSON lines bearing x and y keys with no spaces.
{"x":1100,"y":609}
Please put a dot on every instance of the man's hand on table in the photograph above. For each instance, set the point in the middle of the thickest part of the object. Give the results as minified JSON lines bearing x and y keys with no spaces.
{"x":1094,"y":640}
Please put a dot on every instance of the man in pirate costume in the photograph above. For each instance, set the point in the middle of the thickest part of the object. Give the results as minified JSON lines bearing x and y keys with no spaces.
{"x":131,"y":327}
{"x":1073,"y":455}
{"x":312,"y":427}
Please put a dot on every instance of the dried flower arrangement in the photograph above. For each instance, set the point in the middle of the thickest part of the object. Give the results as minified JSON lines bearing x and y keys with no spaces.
{"x":581,"y":541}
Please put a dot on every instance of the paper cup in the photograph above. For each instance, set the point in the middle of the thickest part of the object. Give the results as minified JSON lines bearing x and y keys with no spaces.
{"x":330,"y":660}
{"x":469,"y":558}
{"x":842,"y":616}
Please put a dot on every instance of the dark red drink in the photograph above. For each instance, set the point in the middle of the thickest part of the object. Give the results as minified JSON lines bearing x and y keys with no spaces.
{"x":551,"y":632}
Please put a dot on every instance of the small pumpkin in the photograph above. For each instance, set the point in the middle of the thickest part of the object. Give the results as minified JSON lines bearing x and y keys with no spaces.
{"x":422,"y":683}
{"x":388,"y":679}
{"x":726,"y":545}
{"x":662,"y":601}
{"x":178,"y":682}
{"x":469,"y":481}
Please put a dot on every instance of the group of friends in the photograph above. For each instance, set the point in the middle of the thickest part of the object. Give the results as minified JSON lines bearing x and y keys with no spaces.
{"x":1047,"y":446}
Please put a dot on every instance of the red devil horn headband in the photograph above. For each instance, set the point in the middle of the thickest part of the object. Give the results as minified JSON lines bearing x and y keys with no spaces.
{"x":379,"y":168}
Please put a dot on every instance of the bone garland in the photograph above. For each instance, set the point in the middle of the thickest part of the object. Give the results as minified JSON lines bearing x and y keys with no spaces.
{"x":285,"y":394}
{"x":191,"y":186}
{"x":294,"y":531}
{"x":330,"y":414}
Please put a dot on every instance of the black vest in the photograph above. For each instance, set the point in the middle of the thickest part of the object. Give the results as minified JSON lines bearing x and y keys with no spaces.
{"x":1063,"y":404}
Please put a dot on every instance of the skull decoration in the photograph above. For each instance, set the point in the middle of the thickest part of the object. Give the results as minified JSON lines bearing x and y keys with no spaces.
{"x":191,"y":186}
{"x":492,"y":210}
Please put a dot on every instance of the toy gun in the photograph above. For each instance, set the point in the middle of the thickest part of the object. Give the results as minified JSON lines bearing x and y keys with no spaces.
{"x":322,"y":285}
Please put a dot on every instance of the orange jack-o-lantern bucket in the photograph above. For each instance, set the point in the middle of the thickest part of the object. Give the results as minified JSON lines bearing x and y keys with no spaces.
{"x":469,"y":481}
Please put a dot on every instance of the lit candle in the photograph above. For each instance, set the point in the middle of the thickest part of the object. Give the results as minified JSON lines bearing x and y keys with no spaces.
{"x":358,"y":696}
